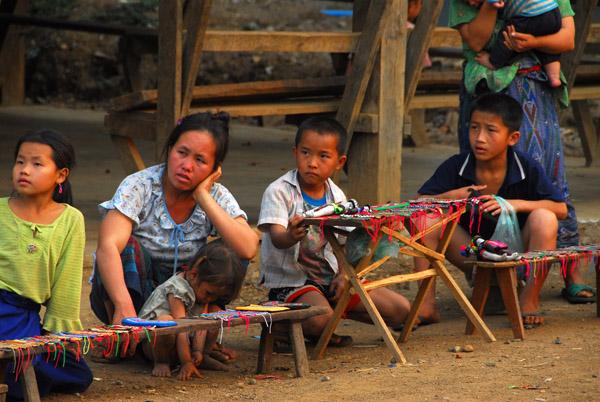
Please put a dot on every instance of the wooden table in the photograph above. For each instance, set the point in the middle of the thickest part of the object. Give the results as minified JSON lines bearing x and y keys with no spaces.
{"x":292,"y":318}
{"x":505,"y":272}
{"x":388,"y":224}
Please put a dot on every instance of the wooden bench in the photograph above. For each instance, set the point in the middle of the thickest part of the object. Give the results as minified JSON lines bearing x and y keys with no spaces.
{"x":291,"y":318}
{"x":505,"y":272}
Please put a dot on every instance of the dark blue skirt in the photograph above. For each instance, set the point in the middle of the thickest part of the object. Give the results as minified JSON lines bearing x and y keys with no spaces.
{"x":20,"y":319}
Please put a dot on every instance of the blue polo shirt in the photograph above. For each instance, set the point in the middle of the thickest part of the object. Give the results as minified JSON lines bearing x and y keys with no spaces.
{"x":525,"y":180}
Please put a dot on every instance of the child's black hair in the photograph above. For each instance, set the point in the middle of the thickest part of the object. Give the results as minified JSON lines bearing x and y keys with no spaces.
{"x":63,"y":155}
{"x":217,"y":125}
{"x":221,"y":267}
{"x":324,"y":126}
{"x":503,"y":106}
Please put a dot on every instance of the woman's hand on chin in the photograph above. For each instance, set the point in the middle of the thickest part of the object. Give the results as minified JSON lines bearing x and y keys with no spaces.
{"x":204,"y":187}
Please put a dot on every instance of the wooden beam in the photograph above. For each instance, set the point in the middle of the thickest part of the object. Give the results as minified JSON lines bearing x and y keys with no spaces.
{"x":139,"y":125}
{"x":586,"y":130}
{"x":245,"y":90}
{"x":169,"y":66}
{"x":418,"y":43}
{"x":12,"y":57}
{"x":265,"y":41}
{"x":391,"y":103}
{"x":362,"y":66}
{"x":197,"y":21}
{"x":584,"y":12}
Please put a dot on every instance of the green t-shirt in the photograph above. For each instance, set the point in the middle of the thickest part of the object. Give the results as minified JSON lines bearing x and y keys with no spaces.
{"x":461,"y":13}
{"x":44,"y":263}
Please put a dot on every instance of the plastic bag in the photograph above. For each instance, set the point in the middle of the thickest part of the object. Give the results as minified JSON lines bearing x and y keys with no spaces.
{"x":356,"y":246}
{"x":507,"y":230}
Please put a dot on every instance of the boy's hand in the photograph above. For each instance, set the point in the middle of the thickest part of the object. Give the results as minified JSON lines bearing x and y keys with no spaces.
{"x":492,"y":206}
{"x":296,"y":230}
{"x":465,"y":192}
{"x":187,"y":371}
{"x":338,"y":285}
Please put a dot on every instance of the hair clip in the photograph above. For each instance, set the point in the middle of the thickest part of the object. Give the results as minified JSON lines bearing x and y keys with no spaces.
{"x":179,"y":122}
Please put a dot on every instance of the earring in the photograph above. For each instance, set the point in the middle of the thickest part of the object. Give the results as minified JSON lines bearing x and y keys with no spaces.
{"x":59,"y":188}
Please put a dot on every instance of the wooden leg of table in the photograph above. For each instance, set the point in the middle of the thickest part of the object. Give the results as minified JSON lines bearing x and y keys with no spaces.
{"x":332,"y":324}
{"x":598,"y":289}
{"x":481,"y":289}
{"x":265,"y":350}
{"x":507,"y":279}
{"x":299,"y":349}
{"x":462,"y":300}
{"x":29,"y":385}
{"x":424,"y":287}
{"x":364,"y":297}
{"x":3,"y":387}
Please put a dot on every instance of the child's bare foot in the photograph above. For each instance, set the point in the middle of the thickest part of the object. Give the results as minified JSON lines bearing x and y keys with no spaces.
{"x":161,"y":370}
{"x":209,"y":363}
{"x":483,"y":58}
{"x":554,"y":81}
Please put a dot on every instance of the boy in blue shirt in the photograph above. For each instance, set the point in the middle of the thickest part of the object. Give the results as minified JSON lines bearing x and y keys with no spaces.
{"x":296,"y":261}
{"x":493,"y":167}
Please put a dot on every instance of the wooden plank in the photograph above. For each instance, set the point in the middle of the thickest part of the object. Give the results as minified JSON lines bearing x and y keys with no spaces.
{"x":391,"y":280}
{"x":418,"y":43}
{"x":365,"y":298}
{"x":12,"y":57}
{"x":362,"y":66}
{"x":130,"y":157}
{"x":273,"y":108}
{"x":432,"y":101}
{"x":280,"y":41}
{"x":299,"y":348}
{"x":265,"y":350}
{"x":507,"y":279}
{"x":586,"y":129}
{"x":584,"y":12}
{"x":418,"y":132}
{"x":169,"y":65}
{"x":197,"y":21}
{"x":585,"y":92}
{"x":139,"y":125}
{"x":240,"y":91}
{"x":29,"y":385}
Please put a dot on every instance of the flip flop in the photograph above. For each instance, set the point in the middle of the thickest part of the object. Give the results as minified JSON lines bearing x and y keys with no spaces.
{"x":420,"y":323}
{"x":336,"y":341}
{"x":570,"y":293}
{"x":530,"y":326}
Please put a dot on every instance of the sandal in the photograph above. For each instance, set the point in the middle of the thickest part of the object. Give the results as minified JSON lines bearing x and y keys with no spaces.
{"x":336,"y":341}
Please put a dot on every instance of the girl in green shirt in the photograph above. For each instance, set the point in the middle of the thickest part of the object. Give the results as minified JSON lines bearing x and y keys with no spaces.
{"x":41,"y":258}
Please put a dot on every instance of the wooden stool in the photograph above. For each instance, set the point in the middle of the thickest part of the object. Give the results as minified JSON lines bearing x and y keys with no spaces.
{"x":507,"y":280}
{"x":3,"y":391}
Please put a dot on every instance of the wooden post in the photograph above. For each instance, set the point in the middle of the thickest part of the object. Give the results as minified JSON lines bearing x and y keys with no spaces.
{"x":584,"y":12}
{"x":12,"y":58}
{"x":170,"y":24}
{"x":196,"y":21}
{"x":418,"y":44}
{"x":374,"y":161}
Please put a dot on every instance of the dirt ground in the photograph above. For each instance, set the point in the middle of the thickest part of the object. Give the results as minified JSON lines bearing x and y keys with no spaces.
{"x":559,"y":361}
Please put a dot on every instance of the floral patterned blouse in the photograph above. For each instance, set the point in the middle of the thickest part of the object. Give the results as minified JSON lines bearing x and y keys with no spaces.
{"x":140,"y":198}
{"x":461,"y":13}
